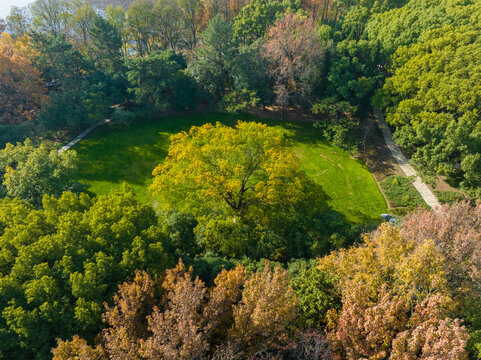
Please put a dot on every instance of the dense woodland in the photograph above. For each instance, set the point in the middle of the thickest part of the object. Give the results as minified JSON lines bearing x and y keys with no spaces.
{"x":241,"y":258}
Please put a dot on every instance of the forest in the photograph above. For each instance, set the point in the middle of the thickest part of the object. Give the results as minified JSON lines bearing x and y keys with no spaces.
{"x":222,"y":207}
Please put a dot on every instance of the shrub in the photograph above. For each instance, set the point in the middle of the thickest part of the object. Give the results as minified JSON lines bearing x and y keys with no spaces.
{"x":448,"y":197}
{"x":401,"y":192}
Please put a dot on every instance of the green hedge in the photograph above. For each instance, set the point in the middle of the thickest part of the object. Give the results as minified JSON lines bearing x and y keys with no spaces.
{"x":401,"y":193}
{"x":448,"y":197}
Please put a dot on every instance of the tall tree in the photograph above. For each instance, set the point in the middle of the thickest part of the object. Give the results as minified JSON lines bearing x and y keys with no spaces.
{"x":190,"y":16}
{"x":169,"y":24}
{"x":213,"y":65}
{"x":18,"y":21}
{"x":83,"y":15}
{"x":107,"y":45}
{"x":51,"y":16}
{"x":230,"y":168}
{"x":21,"y":83}
{"x":141,"y":23}
{"x":295,"y":52}
{"x":116,"y":17}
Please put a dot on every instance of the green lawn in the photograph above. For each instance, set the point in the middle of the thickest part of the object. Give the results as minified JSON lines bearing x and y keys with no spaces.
{"x":112,"y":155}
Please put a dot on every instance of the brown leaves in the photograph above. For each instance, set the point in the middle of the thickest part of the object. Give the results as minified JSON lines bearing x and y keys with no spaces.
{"x":385,"y":328}
{"x":396,"y":303}
{"x":267,"y":306}
{"x":246,"y":312}
{"x":20,"y":84}
{"x":366,"y":327}
{"x":456,"y":232}
{"x":177,"y":330}
{"x":432,"y":335}
{"x":127,"y":318}
{"x":294,"y":50}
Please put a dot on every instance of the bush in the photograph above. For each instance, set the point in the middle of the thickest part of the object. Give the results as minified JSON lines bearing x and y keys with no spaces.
{"x":448,"y":197}
{"x":401,"y":193}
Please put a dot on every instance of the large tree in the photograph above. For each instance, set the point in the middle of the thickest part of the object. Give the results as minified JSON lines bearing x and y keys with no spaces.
{"x":395,"y":287}
{"x":141,"y":25}
{"x":214,"y":63}
{"x":295,"y":52}
{"x":20,"y":82}
{"x":59,"y":264}
{"x":28,"y":172}
{"x":230,"y":168}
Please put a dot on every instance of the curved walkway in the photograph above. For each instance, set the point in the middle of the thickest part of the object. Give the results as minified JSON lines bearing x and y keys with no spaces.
{"x":403,"y":162}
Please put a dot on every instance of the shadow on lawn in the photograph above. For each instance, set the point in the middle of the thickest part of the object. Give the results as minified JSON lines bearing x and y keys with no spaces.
{"x":121,"y":158}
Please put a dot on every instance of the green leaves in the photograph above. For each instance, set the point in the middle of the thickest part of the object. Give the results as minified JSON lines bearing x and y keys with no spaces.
{"x":29,"y":172}
{"x":433,"y":99}
{"x":158,"y":79}
{"x":59,"y":264}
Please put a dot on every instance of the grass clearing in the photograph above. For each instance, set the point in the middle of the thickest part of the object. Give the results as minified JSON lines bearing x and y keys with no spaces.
{"x":115,"y":154}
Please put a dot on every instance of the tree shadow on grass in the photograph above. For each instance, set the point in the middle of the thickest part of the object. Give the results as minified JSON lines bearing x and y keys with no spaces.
{"x":119,"y":157}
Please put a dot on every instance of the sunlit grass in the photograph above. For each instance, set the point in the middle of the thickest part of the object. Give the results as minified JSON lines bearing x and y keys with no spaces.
{"x":112,"y":155}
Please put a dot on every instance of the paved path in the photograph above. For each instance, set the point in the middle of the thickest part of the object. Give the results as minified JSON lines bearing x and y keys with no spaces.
{"x":79,"y":137}
{"x":403,"y":162}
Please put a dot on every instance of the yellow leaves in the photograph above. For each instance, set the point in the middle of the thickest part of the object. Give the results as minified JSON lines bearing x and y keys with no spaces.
{"x":21,"y":81}
{"x":235,"y":166}
{"x":412,"y":269}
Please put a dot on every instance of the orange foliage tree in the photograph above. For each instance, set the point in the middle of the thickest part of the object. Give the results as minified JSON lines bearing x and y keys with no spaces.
{"x":247,"y":312}
{"x":396,"y":303}
{"x":20,"y":83}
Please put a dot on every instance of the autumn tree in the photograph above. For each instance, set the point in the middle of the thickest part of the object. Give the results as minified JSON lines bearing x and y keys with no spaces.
{"x":295,"y":53}
{"x":77,"y":348}
{"x":243,"y":311}
{"x":456,"y":232}
{"x":431,"y":334}
{"x":21,"y":84}
{"x":230,"y":168}
{"x":177,"y":329}
{"x":267,"y":306}
{"x":126,"y":318}
{"x":246,"y":189}
{"x":382,"y":281}
{"x":384,"y":327}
